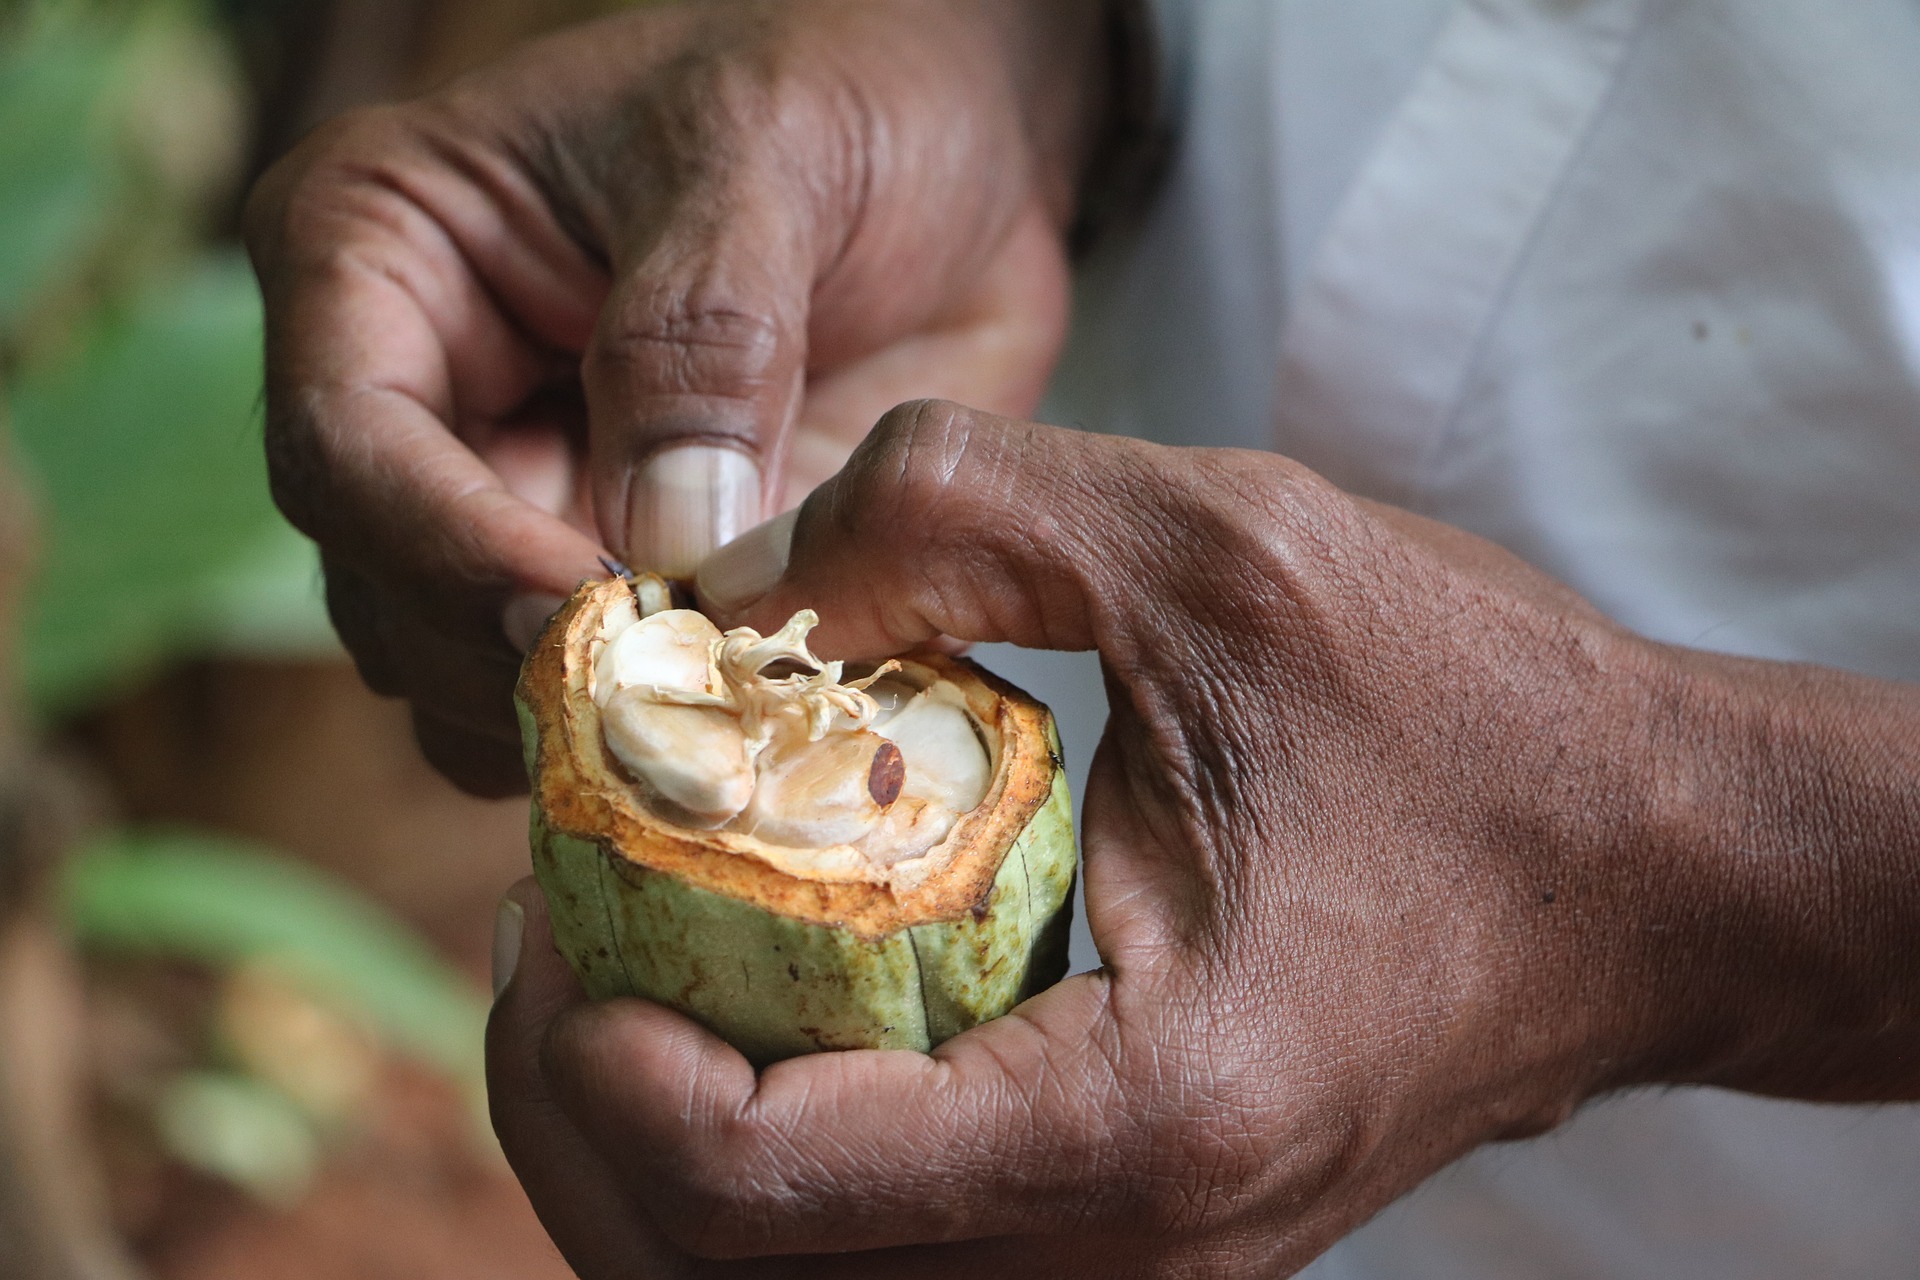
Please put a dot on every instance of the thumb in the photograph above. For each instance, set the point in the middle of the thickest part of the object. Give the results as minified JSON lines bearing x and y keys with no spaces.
{"x":578,"y":1198}
{"x":950,"y":522}
{"x":693,"y":377}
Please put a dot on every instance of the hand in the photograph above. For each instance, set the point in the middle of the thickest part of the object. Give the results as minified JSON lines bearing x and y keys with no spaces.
{"x":1393,"y":846}
{"x":639,"y":286}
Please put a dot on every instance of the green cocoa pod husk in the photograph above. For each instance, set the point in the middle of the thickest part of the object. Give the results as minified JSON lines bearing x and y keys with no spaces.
{"x":776,"y":960}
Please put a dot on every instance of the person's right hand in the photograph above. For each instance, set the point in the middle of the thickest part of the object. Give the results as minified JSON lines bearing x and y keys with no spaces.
{"x":635,"y":288}
{"x":1393,"y":846}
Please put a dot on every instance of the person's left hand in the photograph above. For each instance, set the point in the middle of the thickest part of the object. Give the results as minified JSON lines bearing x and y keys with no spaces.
{"x":634,"y":287}
{"x":1393,"y":846}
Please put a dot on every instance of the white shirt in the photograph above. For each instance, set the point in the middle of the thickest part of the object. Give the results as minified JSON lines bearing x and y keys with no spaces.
{"x":1633,"y":288}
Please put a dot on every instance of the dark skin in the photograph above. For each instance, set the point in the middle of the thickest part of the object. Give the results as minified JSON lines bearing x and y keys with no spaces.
{"x":1394,"y":846}
{"x":488,"y":308}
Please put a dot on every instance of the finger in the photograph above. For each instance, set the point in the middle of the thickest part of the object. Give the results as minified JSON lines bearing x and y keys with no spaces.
{"x":480,"y":764}
{"x":1011,"y":1128}
{"x":578,"y":1197}
{"x":466,"y":684}
{"x":462,"y":693}
{"x":1105,"y":1254}
{"x":951,"y":522}
{"x":380,"y":336}
{"x":693,"y":379}
{"x":356,"y":609}
{"x":602,"y":1223}
{"x":380,"y":481}
{"x":697,"y":366}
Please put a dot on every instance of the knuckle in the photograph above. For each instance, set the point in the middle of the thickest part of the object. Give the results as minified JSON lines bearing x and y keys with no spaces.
{"x":942,"y":483}
{"x":744,"y":93}
{"x":480,"y":766}
{"x":351,"y":141}
{"x":761,"y":105}
{"x":965,"y":483}
{"x":271,"y":202}
{"x":697,"y":339}
{"x":809,"y":132}
{"x":913,"y":461}
{"x":374,"y":667}
{"x":747,"y":72}
{"x":347,"y":198}
{"x":261,"y":214}
{"x":358,"y":619}
{"x":361,"y":135}
{"x":1265,"y":496}
{"x":1249,"y":518}
{"x":296,"y":464}
{"x":864,"y":502}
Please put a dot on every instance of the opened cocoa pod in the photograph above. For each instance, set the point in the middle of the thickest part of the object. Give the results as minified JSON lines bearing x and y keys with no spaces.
{"x":800,"y":857}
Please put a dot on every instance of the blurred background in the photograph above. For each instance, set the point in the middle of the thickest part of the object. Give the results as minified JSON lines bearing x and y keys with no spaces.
{"x":243,"y":927}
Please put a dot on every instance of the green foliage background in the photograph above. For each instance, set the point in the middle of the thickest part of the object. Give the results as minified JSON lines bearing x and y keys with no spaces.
{"x":130,"y":369}
{"x":130,"y":353}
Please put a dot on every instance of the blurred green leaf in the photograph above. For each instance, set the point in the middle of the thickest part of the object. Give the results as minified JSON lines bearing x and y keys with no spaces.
{"x":223,"y":902}
{"x":146,"y":447}
{"x":241,"y":1130}
{"x":60,"y":175}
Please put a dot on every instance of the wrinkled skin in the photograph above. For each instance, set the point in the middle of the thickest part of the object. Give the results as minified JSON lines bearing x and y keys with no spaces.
{"x":1393,"y":847}
{"x":763,"y":221}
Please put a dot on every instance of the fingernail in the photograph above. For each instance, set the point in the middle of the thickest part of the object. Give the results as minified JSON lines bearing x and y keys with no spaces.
{"x":686,"y":501}
{"x":526,"y":615}
{"x":508,"y":924}
{"x":745,"y":569}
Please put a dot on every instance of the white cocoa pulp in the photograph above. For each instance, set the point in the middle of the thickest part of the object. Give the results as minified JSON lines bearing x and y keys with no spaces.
{"x":754,"y":734}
